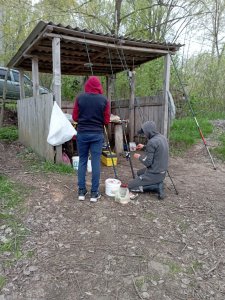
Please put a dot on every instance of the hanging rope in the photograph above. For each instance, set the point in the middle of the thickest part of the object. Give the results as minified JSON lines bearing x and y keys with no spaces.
{"x":128,"y":156}
{"x":89,"y":65}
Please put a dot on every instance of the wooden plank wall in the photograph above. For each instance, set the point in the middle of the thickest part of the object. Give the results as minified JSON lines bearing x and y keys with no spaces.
{"x":145,"y":109}
{"x":33,"y":124}
{"x":149,"y":108}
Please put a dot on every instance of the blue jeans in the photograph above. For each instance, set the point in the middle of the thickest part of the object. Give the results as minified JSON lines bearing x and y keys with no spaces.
{"x":89,"y":142}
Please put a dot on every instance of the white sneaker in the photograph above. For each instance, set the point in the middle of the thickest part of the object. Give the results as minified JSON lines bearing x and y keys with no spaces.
{"x":82,"y":194}
{"x":95,"y":197}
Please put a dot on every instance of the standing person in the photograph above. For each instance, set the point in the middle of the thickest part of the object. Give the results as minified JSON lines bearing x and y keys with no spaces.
{"x":155,"y":160}
{"x":91,"y":111}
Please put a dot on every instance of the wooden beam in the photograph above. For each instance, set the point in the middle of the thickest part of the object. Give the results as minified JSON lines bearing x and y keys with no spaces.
{"x":35,"y":76}
{"x":165,"y":93}
{"x":131,"y":106}
{"x":21,"y":80}
{"x":56,"y":58}
{"x":57,"y":83}
{"x":102,"y":44}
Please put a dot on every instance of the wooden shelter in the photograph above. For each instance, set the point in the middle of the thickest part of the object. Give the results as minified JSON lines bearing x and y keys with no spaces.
{"x":54,"y":48}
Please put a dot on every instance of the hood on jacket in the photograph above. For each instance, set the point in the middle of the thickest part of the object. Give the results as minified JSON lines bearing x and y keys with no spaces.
{"x":93,"y":85}
{"x":149,"y":129}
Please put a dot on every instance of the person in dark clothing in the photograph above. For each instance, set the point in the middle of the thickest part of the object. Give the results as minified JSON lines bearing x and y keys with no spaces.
{"x":155,"y":160}
{"x":91,"y":111}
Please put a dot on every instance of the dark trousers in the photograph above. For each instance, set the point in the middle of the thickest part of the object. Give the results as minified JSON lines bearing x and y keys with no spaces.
{"x":89,"y":142}
{"x":144,"y":179}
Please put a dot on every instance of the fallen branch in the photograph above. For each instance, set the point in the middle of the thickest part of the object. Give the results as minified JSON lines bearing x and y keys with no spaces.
{"x":136,"y":289}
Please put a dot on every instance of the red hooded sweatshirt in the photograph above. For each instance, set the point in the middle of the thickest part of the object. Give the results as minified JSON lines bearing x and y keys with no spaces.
{"x":91,"y":109}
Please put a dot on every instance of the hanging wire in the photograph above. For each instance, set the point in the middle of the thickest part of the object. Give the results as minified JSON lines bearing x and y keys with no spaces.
{"x":128,"y":156}
{"x":106,"y":135}
{"x":89,"y":60}
{"x":142,"y":118}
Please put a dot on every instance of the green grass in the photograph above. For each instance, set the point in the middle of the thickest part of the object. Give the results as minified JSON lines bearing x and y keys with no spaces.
{"x":9,"y":133}
{"x":220,"y":150}
{"x":10,"y":194}
{"x":12,"y":229}
{"x":184,"y":133}
{"x":36,"y":164}
{"x":2,"y":282}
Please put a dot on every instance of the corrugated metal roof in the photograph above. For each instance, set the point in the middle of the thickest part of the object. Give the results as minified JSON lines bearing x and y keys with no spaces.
{"x":79,"y":47}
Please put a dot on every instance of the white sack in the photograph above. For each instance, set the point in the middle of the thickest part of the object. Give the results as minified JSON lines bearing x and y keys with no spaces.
{"x":60,"y":129}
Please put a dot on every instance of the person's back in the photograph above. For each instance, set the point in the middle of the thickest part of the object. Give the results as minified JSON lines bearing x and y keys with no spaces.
{"x":159,"y":144}
{"x":154,"y":158}
{"x":91,"y":111}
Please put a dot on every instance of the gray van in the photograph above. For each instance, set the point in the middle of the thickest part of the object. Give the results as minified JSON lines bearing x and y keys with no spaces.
{"x":13,"y":85}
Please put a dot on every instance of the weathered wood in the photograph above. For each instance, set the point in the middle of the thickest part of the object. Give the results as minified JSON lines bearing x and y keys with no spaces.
{"x":103,"y":44}
{"x":131,"y":106}
{"x":109,"y":82}
{"x":4,"y":92}
{"x":35,"y":76}
{"x":21,"y":80}
{"x":165,"y":93}
{"x":57,"y":82}
{"x":33,"y":124}
{"x":118,"y":132}
{"x":145,"y":109}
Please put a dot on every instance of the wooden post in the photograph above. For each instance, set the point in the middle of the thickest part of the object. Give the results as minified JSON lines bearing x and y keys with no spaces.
{"x":109,"y":97}
{"x":131,"y":106}
{"x":118,"y":131}
{"x":57,"y":82}
{"x":21,"y":79}
{"x":35,"y":76}
{"x":56,"y":70}
{"x":165,"y":93}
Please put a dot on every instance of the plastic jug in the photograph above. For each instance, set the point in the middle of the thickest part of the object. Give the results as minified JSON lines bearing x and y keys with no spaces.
{"x":122,"y":195}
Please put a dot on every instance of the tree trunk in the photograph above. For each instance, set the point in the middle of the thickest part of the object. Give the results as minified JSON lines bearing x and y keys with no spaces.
{"x":3,"y":99}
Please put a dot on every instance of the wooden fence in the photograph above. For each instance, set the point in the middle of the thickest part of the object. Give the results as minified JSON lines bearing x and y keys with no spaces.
{"x":34,"y":118}
{"x":33,"y":124}
{"x":145,"y":109}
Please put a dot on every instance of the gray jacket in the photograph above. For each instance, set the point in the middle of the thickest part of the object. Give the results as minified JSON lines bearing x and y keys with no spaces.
{"x":156,"y":154}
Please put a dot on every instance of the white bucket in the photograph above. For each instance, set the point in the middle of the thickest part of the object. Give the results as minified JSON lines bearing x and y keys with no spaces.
{"x":75,"y":160}
{"x":112,"y":186}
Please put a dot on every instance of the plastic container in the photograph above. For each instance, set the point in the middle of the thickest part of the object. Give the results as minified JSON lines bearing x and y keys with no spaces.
{"x":112,"y":186}
{"x":122,"y":195}
{"x":89,"y":168}
{"x":132,"y":146}
{"x":75,"y":160}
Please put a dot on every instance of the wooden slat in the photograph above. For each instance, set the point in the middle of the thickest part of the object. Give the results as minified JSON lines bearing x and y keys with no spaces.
{"x":33,"y":124}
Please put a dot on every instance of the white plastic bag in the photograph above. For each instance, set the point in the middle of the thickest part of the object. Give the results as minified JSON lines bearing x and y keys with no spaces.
{"x":60,"y":129}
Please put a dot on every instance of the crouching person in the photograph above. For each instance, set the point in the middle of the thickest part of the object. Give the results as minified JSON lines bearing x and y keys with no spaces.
{"x":155,"y":160}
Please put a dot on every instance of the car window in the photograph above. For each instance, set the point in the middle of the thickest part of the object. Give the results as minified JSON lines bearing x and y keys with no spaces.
{"x":27,"y":80}
{"x":2,"y":74}
{"x":16,"y":76}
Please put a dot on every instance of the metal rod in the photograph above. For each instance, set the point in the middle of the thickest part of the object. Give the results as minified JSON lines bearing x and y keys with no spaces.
{"x":193,"y":113}
{"x":172,"y":182}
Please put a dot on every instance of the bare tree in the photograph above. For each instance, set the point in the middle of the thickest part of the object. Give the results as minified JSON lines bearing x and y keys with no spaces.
{"x":3,"y":99}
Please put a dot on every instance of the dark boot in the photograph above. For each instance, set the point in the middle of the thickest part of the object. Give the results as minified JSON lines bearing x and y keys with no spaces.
{"x":156,"y":188}
{"x":161,"y":195}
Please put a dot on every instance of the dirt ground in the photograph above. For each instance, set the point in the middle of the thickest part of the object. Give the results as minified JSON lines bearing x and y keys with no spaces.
{"x":147,"y":249}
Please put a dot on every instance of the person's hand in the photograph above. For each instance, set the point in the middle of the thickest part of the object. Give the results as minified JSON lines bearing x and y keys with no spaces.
{"x":139,"y":146}
{"x":136,"y":155}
